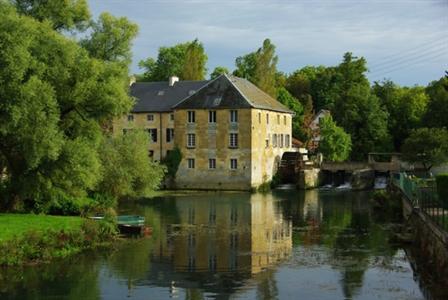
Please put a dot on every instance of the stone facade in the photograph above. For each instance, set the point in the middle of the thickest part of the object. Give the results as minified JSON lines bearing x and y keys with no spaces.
{"x":158,"y":125}
{"x":257,"y":155}
{"x":231,"y":134}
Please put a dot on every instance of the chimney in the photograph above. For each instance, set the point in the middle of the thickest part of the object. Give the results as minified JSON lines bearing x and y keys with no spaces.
{"x":132,"y":80}
{"x":172,"y":80}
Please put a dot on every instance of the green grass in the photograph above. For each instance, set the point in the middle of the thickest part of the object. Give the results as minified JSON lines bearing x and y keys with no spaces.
{"x":16,"y":225}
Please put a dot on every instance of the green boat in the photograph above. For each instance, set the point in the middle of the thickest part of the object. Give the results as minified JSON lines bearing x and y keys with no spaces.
{"x":129,"y":224}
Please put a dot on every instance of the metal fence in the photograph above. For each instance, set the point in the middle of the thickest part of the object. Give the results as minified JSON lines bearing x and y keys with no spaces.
{"x":422,"y":193}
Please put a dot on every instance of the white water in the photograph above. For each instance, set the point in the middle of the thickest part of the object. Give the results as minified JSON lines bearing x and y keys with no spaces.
{"x":344,"y":186}
{"x":380,"y":183}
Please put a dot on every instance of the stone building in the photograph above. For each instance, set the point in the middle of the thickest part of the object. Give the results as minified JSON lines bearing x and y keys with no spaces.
{"x":231,"y":134}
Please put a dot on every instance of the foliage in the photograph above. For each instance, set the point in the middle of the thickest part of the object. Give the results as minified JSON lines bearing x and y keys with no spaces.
{"x":405,"y":106}
{"x":193,"y":67}
{"x":172,"y":61}
{"x":110,"y":39}
{"x":357,"y":110}
{"x":427,"y":145}
{"x":172,"y":161}
{"x":335,"y":143}
{"x":284,"y":97}
{"x":62,"y":15}
{"x":260,"y":67}
{"x":437,"y":113}
{"x":67,"y":206}
{"x":218,"y":71}
{"x":442,"y":188}
{"x":41,"y":246}
{"x":55,"y":98}
{"x":127,"y":169}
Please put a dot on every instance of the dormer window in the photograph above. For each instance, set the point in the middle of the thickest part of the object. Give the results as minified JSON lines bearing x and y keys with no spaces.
{"x":161,"y":93}
{"x":191,"y":92}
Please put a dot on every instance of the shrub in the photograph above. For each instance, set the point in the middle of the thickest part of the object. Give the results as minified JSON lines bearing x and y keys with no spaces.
{"x":442,"y":188}
{"x":172,"y":161}
{"x":70,"y":206}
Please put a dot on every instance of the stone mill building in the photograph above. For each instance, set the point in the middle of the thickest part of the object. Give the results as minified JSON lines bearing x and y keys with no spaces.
{"x":231,"y":134}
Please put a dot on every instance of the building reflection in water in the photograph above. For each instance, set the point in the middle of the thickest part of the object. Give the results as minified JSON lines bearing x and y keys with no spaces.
{"x":226,"y":236}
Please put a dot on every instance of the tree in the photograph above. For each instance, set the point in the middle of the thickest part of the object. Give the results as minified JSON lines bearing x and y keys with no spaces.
{"x":428,"y":146}
{"x":405,"y":106}
{"x":127,"y":169}
{"x":111,"y":38}
{"x":193,"y":67}
{"x":218,"y":71}
{"x":357,"y":110}
{"x":172,"y":61}
{"x":284,"y":97}
{"x":63,"y":14}
{"x":54,"y":99}
{"x":436,"y":115}
{"x":260,"y":67}
{"x":335,"y":143}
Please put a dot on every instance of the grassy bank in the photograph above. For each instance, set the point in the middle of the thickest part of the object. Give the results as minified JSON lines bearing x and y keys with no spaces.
{"x":26,"y":238}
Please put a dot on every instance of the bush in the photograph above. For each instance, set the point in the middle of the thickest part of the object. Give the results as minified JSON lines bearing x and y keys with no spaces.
{"x":442,"y":188}
{"x":70,"y":206}
{"x":172,"y":161}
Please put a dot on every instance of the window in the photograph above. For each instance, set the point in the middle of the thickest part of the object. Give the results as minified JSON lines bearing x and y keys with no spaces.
{"x":259,"y":118}
{"x":212,"y":163}
{"x":125,"y":131}
{"x":161,"y":93}
{"x":152,"y":135}
{"x":212,"y":116}
{"x":151,"y":153}
{"x":267,"y":142}
{"x":212,"y":262}
{"x":233,"y":116}
{"x":169,"y":135}
{"x":233,"y":140}
{"x":267,"y":118}
{"x":274,"y":140}
{"x":233,"y":164}
{"x":191,"y":140}
{"x":190,"y":163}
{"x":150,"y":117}
{"x":130,"y":118}
{"x":191,"y":116}
{"x":281,"y":140}
{"x":171,"y":117}
{"x":287,"y":141}
{"x":284,"y":120}
{"x":278,"y":119}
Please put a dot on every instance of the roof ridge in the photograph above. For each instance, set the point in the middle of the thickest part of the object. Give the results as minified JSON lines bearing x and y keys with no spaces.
{"x":205,"y":85}
{"x":239,"y":91}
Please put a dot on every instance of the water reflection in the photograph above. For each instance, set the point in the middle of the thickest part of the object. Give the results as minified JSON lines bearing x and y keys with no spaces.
{"x":286,"y":245}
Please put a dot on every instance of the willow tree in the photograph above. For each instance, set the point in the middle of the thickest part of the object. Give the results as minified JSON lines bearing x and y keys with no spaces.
{"x":54,"y":96}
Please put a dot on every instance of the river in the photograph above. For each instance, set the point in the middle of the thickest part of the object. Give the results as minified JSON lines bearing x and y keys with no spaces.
{"x":281,"y":245}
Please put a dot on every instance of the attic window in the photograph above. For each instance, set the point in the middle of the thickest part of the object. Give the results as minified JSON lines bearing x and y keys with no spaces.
{"x":191,"y":92}
{"x":216,"y":101}
{"x":161,"y":93}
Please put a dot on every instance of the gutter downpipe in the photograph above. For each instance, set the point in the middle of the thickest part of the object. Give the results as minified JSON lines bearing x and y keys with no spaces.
{"x":161,"y":135}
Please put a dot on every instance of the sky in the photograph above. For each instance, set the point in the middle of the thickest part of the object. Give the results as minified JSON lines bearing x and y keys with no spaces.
{"x":403,"y":40}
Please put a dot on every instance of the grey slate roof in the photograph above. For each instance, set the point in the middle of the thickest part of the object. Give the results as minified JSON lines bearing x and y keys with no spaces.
{"x":229,"y":91}
{"x":148,"y":98}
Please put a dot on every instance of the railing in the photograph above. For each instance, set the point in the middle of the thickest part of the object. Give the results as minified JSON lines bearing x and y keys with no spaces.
{"x":422,"y":193}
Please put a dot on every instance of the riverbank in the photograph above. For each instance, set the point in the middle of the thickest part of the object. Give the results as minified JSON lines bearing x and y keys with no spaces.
{"x":30,"y":239}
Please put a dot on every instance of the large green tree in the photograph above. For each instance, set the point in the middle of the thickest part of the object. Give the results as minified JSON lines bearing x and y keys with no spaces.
{"x":54,"y":97}
{"x":260,"y":67}
{"x":335,"y":143}
{"x":437,"y":113}
{"x":62,"y":14}
{"x":428,"y":146}
{"x":185,"y":60}
{"x":358,"y":110}
{"x":405,"y":106}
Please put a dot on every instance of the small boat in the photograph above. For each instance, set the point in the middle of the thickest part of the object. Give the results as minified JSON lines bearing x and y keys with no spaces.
{"x":130,"y":224}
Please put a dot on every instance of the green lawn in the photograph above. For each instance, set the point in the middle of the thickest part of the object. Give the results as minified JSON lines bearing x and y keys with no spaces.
{"x":17,"y":224}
